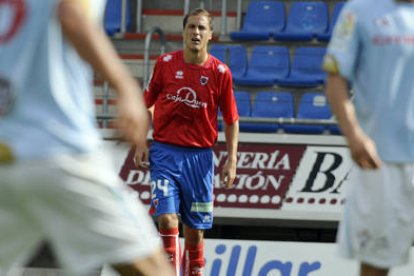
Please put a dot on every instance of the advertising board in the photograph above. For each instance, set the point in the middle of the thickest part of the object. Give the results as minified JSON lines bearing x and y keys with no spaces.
{"x":268,"y":258}
{"x":290,"y":180}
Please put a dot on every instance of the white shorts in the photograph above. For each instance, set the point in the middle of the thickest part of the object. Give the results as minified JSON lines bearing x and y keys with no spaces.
{"x":378,"y":223}
{"x":80,"y":206}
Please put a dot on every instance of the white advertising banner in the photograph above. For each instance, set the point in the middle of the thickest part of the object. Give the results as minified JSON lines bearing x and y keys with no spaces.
{"x":265,"y":258}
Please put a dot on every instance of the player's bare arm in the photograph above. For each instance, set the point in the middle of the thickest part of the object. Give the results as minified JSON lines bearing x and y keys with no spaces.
{"x":93,"y":46}
{"x":228,"y":173}
{"x":141,"y":155}
{"x":363,"y":148}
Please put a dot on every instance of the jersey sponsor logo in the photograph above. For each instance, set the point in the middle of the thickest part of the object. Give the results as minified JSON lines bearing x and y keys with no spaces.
{"x":203,"y":80}
{"x":204,"y":207}
{"x":187,"y":96}
{"x":179,"y":75}
{"x":12,"y":15}
{"x":384,"y":40}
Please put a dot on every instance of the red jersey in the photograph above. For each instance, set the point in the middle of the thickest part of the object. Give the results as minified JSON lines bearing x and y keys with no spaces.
{"x":187,"y":97}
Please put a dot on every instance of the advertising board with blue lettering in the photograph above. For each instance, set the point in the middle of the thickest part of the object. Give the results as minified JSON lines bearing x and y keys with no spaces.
{"x":265,"y":258}
{"x":274,"y":181}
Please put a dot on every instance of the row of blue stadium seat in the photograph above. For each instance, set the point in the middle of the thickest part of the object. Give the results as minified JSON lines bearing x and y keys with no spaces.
{"x":270,"y":65}
{"x":113,"y":14}
{"x":305,"y":21}
{"x":267,"y":104}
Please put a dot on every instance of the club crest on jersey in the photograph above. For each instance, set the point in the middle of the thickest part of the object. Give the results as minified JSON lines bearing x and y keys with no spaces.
{"x":383,"y":22}
{"x":203,"y":80}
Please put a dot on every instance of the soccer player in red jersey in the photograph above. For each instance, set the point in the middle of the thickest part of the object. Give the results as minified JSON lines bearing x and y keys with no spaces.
{"x":186,"y":89}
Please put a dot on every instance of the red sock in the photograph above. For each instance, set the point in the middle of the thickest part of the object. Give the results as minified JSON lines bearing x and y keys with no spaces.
{"x":172,"y":247}
{"x":193,"y":260}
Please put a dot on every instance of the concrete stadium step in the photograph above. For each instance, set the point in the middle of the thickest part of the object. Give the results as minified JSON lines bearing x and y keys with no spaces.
{"x":170,"y":21}
{"x":99,"y":106}
{"x":135,"y":63}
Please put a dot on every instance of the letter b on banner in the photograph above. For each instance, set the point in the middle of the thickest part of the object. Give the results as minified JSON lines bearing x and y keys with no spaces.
{"x":328,"y":173}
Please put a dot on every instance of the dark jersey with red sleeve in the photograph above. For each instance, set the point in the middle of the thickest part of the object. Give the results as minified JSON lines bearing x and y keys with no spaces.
{"x":187,"y":97}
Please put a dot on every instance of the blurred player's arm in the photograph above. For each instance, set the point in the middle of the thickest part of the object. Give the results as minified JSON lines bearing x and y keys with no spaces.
{"x":228,"y":174}
{"x":363,"y":149}
{"x":151,"y":93}
{"x":340,"y":63}
{"x":93,"y":46}
{"x":141,"y":155}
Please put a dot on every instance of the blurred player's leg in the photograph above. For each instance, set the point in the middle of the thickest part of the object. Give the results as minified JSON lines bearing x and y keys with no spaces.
{"x":155,"y":264}
{"x":81,"y":203}
{"x":169,"y":232}
{"x":368,"y":270}
{"x":193,"y":257}
{"x":19,"y":234}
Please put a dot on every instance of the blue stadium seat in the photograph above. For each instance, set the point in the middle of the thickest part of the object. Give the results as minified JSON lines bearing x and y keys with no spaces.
{"x":235,"y":56}
{"x":243,"y":103}
{"x":306,"y":20}
{"x":335,"y":130}
{"x":262,"y":19}
{"x":306,"y":69}
{"x":312,"y":105}
{"x":335,"y":13}
{"x":270,"y":105}
{"x":267,"y":65}
{"x":243,"y":107}
{"x":113,"y":14}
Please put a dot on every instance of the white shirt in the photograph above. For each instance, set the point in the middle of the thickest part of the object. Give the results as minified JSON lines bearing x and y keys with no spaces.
{"x":53,"y":107}
{"x":373,"y":44}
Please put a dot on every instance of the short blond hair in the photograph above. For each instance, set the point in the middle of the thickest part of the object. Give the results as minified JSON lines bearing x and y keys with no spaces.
{"x":199,"y":11}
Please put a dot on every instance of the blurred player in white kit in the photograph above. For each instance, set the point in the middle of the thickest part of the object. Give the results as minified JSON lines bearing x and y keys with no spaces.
{"x":373,"y":48}
{"x":55,"y":182}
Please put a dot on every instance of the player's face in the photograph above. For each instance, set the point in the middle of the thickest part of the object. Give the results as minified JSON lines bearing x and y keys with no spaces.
{"x":197,"y":33}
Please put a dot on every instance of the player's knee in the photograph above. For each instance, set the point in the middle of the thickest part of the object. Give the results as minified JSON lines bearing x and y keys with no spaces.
{"x":193,"y":236}
{"x":168,"y":221}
